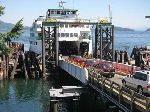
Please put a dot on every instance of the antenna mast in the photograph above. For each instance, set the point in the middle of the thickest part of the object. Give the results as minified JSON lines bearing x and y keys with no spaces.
{"x":61,"y":4}
{"x":110,"y":14}
{"x":73,"y":4}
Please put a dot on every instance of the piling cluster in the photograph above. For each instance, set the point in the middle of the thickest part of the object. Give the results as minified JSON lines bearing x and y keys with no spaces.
{"x":19,"y":63}
{"x":121,"y":56}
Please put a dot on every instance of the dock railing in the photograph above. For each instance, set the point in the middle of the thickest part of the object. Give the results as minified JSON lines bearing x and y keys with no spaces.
{"x":125,"y":98}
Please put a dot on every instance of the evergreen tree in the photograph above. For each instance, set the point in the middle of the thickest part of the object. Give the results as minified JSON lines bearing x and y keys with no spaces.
{"x":15,"y":32}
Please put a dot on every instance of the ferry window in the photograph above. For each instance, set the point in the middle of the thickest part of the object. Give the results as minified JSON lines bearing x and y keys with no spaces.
{"x":71,"y":34}
{"x":36,"y":43}
{"x":63,"y":13}
{"x":58,"y":34}
{"x":67,"y":34}
{"x":39,"y":34}
{"x":68,"y":12}
{"x":62,"y":34}
{"x":76,"y":34}
{"x":48,"y":13}
{"x":32,"y":34}
{"x":73,"y":12}
{"x":58,"y":12}
{"x":66,"y":25}
{"x":52,"y":34}
{"x":87,"y":26}
{"x":52,"y":12}
{"x":70,"y":25}
{"x":61,"y":25}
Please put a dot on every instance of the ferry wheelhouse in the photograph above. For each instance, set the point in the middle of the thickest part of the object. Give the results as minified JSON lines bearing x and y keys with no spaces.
{"x":73,"y":38}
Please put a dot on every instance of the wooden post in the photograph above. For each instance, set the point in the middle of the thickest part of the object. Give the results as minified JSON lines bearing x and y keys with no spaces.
{"x":24,"y":66}
{"x":111,"y":88}
{"x":4,"y":63}
{"x":7,"y":66}
{"x":53,"y":105}
{"x":147,"y":105}
{"x":120,"y":93}
{"x":14,"y":69}
{"x":1,"y":72}
{"x":132,"y":99}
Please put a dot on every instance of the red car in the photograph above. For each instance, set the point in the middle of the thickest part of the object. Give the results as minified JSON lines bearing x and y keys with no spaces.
{"x":76,"y":58}
{"x":91,"y":62}
{"x":106,"y":69}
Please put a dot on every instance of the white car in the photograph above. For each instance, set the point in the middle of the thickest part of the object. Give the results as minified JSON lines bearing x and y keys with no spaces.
{"x":139,"y":80}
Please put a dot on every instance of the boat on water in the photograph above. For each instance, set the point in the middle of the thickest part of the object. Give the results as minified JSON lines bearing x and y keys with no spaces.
{"x":74,"y":39}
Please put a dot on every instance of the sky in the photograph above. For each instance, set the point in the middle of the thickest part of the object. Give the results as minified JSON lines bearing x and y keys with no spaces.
{"x":125,"y":13}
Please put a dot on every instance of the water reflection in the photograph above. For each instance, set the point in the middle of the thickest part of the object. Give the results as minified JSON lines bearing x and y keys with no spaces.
{"x":24,"y":96}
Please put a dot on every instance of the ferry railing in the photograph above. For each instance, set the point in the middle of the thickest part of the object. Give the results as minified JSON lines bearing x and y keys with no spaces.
{"x":123,"y":97}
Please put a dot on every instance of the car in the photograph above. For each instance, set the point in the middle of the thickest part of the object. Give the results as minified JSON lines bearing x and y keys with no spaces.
{"x":91,"y":62}
{"x":76,"y":58}
{"x":139,"y":81}
{"x":105,"y":68}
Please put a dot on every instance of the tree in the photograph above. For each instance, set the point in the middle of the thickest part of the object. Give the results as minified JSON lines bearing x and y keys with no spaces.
{"x":15,"y":32}
{"x":2,"y":10}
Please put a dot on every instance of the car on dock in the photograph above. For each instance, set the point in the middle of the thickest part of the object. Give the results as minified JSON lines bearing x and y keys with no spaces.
{"x":139,"y":81}
{"x":105,"y":68}
{"x":76,"y":58}
{"x":91,"y":62}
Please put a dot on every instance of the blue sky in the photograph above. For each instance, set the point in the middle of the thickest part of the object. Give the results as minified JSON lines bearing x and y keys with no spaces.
{"x":125,"y":13}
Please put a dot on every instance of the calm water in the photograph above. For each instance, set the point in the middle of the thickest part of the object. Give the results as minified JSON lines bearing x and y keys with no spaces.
{"x":32,"y":95}
{"x":20,"y":95}
{"x":24,"y":96}
{"x":124,"y":39}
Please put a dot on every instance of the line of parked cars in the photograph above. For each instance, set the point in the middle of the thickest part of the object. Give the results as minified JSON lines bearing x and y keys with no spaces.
{"x":105,"y":68}
{"x":138,"y":81}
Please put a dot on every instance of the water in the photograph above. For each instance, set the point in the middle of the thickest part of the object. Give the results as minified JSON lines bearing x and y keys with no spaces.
{"x":127,"y":40}
{"x":24,"y":96}
{"x":21,"y":95}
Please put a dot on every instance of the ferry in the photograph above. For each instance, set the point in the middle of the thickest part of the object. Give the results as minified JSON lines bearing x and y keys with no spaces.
{"x":73,"y":39}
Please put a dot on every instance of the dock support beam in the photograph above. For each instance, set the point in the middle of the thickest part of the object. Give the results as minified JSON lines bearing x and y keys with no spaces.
{"x":50,"y":48}
{"x":104,"y":42}
{"x":43,"y":52}
{"x":57,"y":44}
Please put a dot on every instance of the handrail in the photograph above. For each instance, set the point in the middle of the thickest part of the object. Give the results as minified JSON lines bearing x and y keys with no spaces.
{"x":118,"y":92}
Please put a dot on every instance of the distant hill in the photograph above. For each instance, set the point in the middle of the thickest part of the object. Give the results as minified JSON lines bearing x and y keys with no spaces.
{"x":122,"y":29}
{"x":4,"y":26}
{"x":148,"y":30}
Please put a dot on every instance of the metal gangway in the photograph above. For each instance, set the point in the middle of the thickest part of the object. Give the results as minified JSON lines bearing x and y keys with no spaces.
{"x":125,"y":98}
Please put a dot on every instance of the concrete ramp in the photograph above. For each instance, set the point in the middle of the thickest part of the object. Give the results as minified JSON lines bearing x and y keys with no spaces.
{"x":78,"y":72}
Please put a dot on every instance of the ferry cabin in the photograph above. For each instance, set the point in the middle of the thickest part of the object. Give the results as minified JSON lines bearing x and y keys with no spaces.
{"x":73,"y":38}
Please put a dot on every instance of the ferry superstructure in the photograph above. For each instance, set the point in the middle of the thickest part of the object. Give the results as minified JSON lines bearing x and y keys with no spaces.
{"x":73,"y":39}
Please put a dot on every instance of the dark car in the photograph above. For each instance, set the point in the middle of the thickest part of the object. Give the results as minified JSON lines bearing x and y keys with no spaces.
{"x":105,"y":68}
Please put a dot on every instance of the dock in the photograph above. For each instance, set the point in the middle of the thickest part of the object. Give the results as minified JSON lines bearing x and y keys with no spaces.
{"x":32,"y":66}
{"x":125,"y":98}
